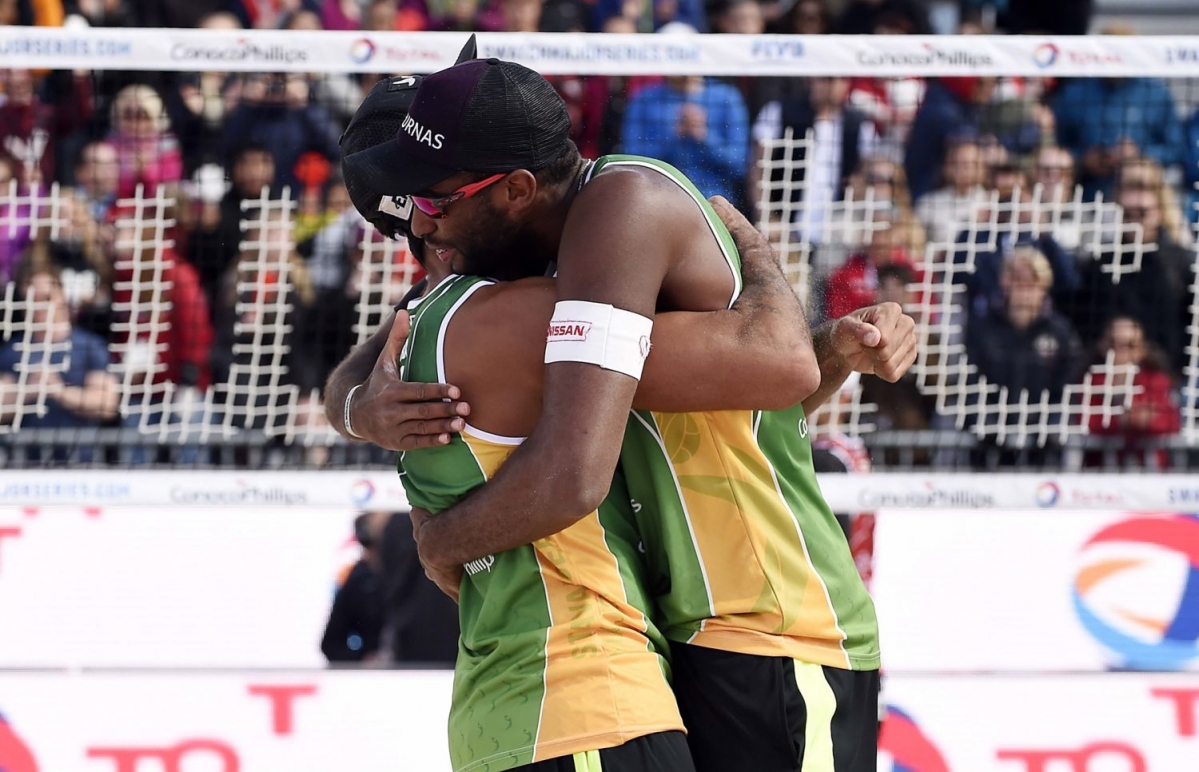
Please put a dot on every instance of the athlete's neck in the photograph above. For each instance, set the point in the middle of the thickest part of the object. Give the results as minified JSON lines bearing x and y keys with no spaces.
{"x":549,"y":219}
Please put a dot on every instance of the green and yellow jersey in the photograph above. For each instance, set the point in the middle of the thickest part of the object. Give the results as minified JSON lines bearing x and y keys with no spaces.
{"x":558,"y":654}
{"x":744,"y":553}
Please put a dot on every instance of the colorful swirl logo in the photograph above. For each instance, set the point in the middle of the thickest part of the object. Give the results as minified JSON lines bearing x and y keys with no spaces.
{"x":907,"y":746}
{"x":361,"y":492}
{"x":1137,"y":590}
{"x":362,"y":51}
{"x":1045,"y":55}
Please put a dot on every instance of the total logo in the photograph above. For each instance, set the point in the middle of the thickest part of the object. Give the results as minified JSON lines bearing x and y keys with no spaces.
{"x":1048,"y":494}
{"x":362,"y":51}
{"x":904,"y":747}
{"x":15,"y":755}
{"x":1045,"y":55}
{"x":1136,"y":590}
{"x":361,"y":492}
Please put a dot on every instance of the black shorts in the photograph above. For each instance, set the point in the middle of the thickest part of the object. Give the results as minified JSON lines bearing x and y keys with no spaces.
{"x":660,"y":752}
{"x":774,"y":714}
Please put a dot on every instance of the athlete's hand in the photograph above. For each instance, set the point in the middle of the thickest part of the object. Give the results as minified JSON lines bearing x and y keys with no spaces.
{"x":877,"y":340}
{"x":447,"y":579}
{"x":397,"y":415}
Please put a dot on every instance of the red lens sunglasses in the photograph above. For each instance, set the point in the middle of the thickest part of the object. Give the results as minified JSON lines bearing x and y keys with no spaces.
{"x":435,"y":207}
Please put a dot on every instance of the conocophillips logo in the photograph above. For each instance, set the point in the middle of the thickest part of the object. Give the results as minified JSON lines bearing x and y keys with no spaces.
{"x":1045,"y":55}
{"x":932,"y":496}
{"x":242,"y":50}
{"x":241,"y":493}
{"x":907,"y":746}
{"x":362,"y":51}
{"x":1137,"y":590}
{"x":930,"y":55}
{"x":1048,"y":494}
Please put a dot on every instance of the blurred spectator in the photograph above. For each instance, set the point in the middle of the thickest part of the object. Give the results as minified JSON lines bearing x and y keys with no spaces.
{"x":697,"y":125}
{"x":336,"y":237}
{"x":147,"y":152}
{"x":275,"y":112}
{"x":1153,"y":412}
{"x":67,"y":365}
{"x":855,"y":284}
{"x":1154,"y":295}
{"x":1037,"y":17}
{"x":950,"y":111}
{"x":103,"y":13}
{"x":34,"y":128}
{"x":216,"y":239}
{"x":944,"y":211}
{"x":465,"y":15}
{"x":421,"y":622}
{"x":651,"y":15}
{"x":883,"y":179}
{"x":1105,"y":121}
{"x":585,"y":96}
{"x":79,"y":255}
{"x":745,"y":17}
{"x":16,"y":217}
{"x":806,"y":17}
{"x":356,"y":618}
{"x":1007,"y":220}
{"x":187,"y":14}
{"x":1147,"y":174}
{"x":1191,"y":167}
{"x":262,"y":308}
{"x":165,"y":330}
{"x":841,"y":137}
{"x":98,"y":179}
{"x":1023,"y":345}
{"x":1054,"y":191}
{"x":394,"y":15}
{"x":901,"y":17}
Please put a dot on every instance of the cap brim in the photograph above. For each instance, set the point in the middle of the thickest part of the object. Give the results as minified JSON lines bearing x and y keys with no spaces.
{"x":389,"y":172}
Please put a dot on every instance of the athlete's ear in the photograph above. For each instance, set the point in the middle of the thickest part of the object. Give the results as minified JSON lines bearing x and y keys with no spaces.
{"x":519,"y":191}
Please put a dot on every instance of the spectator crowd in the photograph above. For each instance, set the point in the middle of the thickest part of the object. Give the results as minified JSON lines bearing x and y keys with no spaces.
{"x":1051,"y":218}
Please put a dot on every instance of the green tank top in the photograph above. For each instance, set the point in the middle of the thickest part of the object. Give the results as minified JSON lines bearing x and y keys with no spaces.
{"x":557,"y":653}
{"x":745,"y":555}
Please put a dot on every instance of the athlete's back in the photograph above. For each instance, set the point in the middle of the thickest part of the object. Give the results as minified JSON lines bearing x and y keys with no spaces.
{"x":557,"y":654}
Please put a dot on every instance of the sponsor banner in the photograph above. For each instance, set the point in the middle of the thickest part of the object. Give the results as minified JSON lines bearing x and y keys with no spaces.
{"x":1028,"y":591}
{"x":225,"y":722}
{"x":381,"y":490}
{"x":395,"y":722}
{"x":601,"y":54}
{"x":1083,"y":723}
{"x":376,"y":490}
{"x":184,"y":586}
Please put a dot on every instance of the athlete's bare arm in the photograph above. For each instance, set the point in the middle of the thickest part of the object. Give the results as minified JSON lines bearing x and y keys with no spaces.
{"x":564,"y":469}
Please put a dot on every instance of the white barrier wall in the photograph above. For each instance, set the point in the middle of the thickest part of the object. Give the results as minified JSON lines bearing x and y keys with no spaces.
{"x":377,"y":721}
{"x":1037,"y":591}
{"x":181,"y":586}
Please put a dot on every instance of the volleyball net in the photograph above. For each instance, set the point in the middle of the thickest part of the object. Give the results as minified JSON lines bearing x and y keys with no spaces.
{"x":182,"y":267}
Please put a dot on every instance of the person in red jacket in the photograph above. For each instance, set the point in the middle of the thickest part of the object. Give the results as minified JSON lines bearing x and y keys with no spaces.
{"x":896,"y":237}
{"x":1152,"y":410}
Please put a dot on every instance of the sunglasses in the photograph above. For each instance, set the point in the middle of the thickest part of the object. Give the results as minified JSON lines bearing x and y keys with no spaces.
{"x":435,"y":207}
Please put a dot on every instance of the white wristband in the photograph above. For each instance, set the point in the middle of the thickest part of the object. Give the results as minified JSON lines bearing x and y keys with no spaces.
{"x":346,"y":414}
{"x":598,"y":334}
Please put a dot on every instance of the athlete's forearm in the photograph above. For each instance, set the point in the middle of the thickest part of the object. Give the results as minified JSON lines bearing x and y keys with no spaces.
{"x":353,"y":370}
{"x":834,"y":368}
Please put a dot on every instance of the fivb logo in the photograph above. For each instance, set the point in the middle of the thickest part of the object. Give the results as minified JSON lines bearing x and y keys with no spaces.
{"x":414,"y":129}
{"x":480,"y":565}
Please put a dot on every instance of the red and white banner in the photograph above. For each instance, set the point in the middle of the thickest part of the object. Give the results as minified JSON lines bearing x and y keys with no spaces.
{"x":254,"y":722}
{"x":1037,"y":591}
{"x":385,"y":721}
{"x":1113,"y":722}
{"x":189,"y":50}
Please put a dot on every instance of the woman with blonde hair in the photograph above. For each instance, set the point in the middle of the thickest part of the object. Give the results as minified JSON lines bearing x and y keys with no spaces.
{"x":147,"y":152}
{"x":1146,"y":174}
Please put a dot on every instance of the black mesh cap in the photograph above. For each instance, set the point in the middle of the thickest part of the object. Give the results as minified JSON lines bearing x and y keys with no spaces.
{"x":375,"y":123}
{"x":478,"y":116}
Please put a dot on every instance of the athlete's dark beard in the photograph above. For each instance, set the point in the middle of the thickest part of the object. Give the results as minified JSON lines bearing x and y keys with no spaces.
{"x":498,"y":248}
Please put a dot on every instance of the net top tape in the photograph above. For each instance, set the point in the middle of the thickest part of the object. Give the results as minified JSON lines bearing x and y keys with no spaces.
{"x":600,"y":54}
